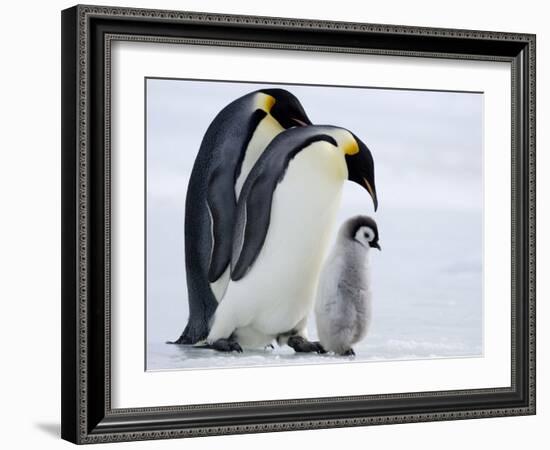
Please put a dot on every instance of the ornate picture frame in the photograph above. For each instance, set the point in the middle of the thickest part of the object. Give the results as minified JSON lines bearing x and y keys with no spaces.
{"x":88,"y":33}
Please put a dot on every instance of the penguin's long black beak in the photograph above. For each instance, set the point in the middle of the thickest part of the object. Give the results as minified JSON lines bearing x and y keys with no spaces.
{"x":301,"y":122}
{"x":361,"y":169}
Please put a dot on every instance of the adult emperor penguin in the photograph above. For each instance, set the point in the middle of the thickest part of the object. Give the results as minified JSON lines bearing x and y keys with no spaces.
{"x":285,"y":215}
{"x":343,"y":301}
{"x":233,"y":142}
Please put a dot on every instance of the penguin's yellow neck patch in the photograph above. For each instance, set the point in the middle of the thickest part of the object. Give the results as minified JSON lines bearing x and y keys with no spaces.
{"x":265,"y":102}
{"x":269,"y":102}
{"x":350,"y":147}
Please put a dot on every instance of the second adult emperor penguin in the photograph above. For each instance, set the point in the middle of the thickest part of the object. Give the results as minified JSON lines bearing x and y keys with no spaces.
{"x":285,"y":214}
{"x":233,"y":142}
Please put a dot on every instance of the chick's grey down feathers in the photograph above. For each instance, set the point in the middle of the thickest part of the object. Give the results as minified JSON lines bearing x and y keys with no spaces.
{"x":343,"y":305}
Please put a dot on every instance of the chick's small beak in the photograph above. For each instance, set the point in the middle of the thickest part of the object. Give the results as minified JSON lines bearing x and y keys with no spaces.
{"x":376,"y":245}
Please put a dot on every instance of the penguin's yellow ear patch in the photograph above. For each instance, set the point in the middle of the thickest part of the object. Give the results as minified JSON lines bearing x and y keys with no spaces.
{"x":350,"y":147}
{"x":269,"y":101}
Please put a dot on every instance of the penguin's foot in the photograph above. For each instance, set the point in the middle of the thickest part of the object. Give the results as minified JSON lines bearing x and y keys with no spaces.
{"x":348,"y":352}
{"x":226,"y":345}
{"x":190,"y":335}
{"x":302,"y":345}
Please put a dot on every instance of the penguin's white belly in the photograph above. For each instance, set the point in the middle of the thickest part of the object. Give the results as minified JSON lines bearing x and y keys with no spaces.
{"x":278,"y":290}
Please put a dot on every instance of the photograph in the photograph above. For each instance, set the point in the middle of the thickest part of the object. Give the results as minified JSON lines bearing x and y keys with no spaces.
{"x":275,"y":225}
{"x":292,"y":224}
{"x":283,"y":223}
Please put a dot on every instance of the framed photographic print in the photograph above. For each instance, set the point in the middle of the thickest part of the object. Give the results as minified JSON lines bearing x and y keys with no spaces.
{"x":281,"y":224}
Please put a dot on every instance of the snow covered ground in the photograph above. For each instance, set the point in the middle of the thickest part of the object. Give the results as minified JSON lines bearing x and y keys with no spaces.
{"x":427,"y":280}
{"x":427,"y":301}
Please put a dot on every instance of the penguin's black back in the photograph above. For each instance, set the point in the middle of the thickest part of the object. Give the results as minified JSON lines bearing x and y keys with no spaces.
{"x":211,"y":191}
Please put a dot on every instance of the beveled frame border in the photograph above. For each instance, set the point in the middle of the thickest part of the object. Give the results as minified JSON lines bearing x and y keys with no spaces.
{"x":87,"y":35}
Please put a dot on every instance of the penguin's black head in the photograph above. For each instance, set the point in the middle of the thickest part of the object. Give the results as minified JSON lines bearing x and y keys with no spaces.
{"x":361,"y":168}
{"x":362,"y":229}
{"x":287,"y":109}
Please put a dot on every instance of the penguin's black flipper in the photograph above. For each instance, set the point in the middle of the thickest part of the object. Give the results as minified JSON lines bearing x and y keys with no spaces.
{"x":254,"y":206}
{"x":220,"y":195}
{"x":221,"y":203}
{"x":251,"y":227}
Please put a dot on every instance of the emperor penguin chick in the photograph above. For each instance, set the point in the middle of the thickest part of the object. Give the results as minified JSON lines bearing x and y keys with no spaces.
{"x":343,"y":304}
